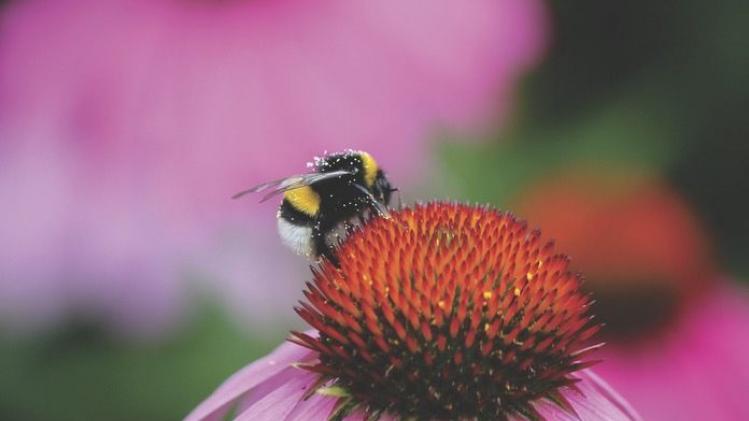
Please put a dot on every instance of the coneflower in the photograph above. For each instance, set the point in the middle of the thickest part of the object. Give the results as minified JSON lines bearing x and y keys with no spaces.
{"x":443,"y":311}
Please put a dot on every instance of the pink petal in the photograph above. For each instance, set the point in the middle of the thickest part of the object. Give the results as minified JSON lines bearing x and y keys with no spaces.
{"x":283,"y":400}
{"x":273,"y":370}
{"x":315,"y":408}
{"x":697,"y":369}
{"x":597,"y":401}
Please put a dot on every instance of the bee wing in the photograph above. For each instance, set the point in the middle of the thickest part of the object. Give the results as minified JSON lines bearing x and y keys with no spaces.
{"x":290,"y":183}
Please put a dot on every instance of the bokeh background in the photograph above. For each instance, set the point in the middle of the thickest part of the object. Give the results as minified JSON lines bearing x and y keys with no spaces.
{"x":131,"y":286}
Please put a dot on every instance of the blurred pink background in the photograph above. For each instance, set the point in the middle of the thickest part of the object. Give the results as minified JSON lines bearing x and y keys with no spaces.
{"x":126,"y":126}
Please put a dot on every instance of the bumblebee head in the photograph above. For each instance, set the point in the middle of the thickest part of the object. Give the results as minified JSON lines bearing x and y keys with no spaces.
{"x":382,"y":189}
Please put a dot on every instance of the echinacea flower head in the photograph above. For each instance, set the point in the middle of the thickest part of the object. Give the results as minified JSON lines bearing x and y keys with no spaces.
{"x":442,"y":311}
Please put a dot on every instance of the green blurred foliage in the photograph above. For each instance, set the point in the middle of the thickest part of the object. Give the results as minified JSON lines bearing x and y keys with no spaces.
{"x":495,"y":171}
{"x":80,"y":373}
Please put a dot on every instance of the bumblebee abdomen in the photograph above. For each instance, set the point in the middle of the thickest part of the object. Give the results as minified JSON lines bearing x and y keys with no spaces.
{"x":297,"y":237}
{"x":295,"y":229}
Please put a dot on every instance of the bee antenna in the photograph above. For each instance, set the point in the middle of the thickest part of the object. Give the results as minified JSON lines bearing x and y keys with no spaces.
{"x":242,"y":193}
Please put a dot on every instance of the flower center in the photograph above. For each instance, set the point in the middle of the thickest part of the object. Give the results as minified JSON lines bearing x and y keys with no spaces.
{"x":447,"y":311}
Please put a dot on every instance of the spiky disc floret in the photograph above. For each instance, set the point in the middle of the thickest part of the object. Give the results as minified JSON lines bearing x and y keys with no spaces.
{"x":447,"y":311}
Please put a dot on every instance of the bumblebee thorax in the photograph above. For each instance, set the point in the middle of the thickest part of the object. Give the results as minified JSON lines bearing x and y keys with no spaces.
{"x":369,"y":167}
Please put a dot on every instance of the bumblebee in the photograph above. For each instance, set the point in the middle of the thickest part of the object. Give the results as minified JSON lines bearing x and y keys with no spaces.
{"x":319,"y":207}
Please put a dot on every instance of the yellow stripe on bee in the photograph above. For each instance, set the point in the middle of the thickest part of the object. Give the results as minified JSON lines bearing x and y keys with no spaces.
{"x":370,"y":168}
{"x":304,"y":199}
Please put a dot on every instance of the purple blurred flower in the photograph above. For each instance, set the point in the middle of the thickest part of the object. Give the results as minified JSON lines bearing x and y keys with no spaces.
{"x":125,"y":125}
{"x":274,"y":387}
{"x":696,"y":370}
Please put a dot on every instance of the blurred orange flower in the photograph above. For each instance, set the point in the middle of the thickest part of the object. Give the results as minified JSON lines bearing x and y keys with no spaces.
{"x":677,"y":331}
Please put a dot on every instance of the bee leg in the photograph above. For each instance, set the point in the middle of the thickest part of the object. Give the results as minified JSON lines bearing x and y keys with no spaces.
{"x":331,"y":256}
{"x":319,"y":234}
